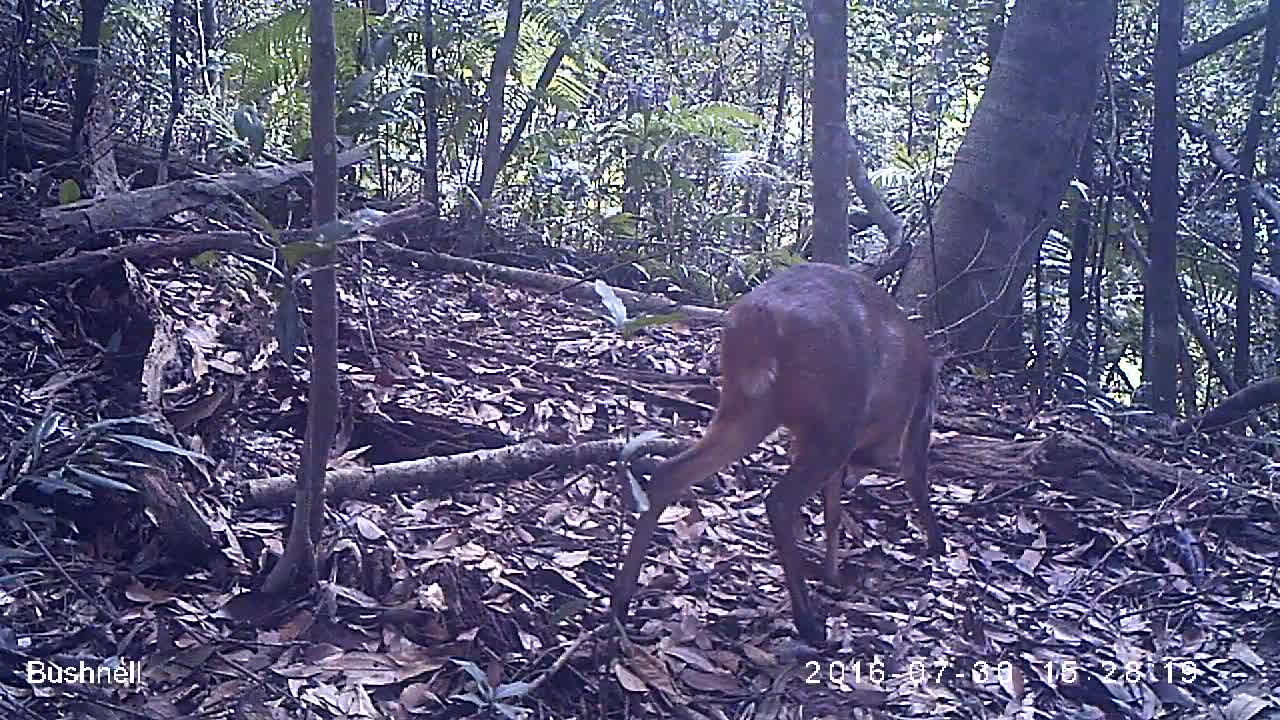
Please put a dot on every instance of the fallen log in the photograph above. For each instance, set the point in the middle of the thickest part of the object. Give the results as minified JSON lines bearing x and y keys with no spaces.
{"x":44,"y":139}
{"x":442,"y":474}
{"x":571,"y":288}
{"x":88,"y":263}
{"x":1075,"y":464}
{"x":152,"y":204}
{"x":1235,"y":408}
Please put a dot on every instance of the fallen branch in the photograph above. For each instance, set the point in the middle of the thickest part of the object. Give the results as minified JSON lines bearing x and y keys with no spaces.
{"x":571,"y":288}
{"x":142,"y":252}
{"x":580,"y":291}
{"x":45,"y":140}
{"x":439,"y":475}
{"x":1235,"y":408}
{"x":1068,"y":462}
{"x":150,"y":205}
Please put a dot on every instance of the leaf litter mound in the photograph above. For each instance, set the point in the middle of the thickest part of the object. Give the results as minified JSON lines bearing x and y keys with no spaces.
{"x":1094,"y":568}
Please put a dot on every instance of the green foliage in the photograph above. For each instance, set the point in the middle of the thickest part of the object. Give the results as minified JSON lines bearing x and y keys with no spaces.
{"x":659,"y":139}
{"x":499,"y":700}
{"x":270,"y":63}
{"x":68,"y":192}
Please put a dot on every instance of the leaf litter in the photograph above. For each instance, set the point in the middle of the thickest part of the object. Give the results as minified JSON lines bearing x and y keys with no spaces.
{"x":1094,"y":568}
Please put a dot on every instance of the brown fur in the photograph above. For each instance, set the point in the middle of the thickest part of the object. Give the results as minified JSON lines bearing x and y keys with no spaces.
{"x":828,"y":354}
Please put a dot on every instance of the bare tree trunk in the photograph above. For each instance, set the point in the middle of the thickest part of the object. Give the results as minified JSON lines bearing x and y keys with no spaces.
{"x":828,"y":22}
{"x":1009,"y":176}
{"x":1160,"y":366}
{"x":92,"y":13}
{"x":175,"y":92}
{"x":495,"y":103}
{"x":296,"y":570}
{"x":207,"y":14}
{"x":1244,"y":197}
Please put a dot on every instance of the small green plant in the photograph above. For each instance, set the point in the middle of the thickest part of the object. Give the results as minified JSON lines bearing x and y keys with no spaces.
{"x":485,"y":696}
{"x":621,"y":321}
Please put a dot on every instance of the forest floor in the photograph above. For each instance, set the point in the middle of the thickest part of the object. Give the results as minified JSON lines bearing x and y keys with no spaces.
{"x":1094,"y":568}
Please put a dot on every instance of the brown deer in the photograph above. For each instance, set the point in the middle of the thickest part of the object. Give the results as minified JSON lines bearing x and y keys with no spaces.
{"x":828,"y":354}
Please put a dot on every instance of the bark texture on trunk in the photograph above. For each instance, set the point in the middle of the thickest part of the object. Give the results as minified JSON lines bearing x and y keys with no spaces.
{"x":1009,"y":176}
{"x":1161,"y":290}
{"x":828,"y":23}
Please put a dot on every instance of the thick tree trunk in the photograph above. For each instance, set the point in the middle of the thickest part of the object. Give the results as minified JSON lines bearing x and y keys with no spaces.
{"x":1160,"y":364}
{"x":92,"y":13}
{"x":1010,"y":174}
{"x":828,"y":22}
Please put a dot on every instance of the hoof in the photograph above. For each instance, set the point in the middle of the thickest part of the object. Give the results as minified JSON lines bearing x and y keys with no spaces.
{"x":813,"y":630}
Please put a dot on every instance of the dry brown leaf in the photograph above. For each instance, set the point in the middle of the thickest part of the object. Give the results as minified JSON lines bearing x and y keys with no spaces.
{"x":627,"y":679}
{"x":651,"y":670}
{"x":1245,"y":707}
{"x":418,"y":698}
{"x":572,"y":558}
{"x":711,"y":681}
{"x":369,"y":530}
{"x":692,"y":657}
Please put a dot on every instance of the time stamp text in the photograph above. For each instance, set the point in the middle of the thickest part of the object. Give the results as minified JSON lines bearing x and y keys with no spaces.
{"x":845,"y":674}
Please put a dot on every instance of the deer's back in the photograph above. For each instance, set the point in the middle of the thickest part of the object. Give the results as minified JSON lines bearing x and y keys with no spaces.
{"x":836,"y":348}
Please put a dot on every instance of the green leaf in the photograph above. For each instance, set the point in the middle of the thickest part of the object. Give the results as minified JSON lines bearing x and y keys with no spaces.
{"x":68,"y":192}
{"x":295,"y":252}
{"x":101,"y":480}
{"x":162,"y":447}
{"x":206,"y":259}
{"x":622,"y":223}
